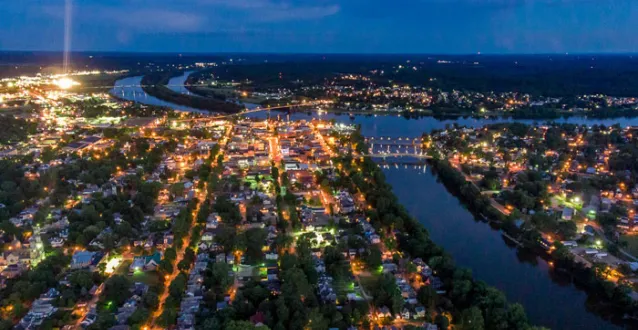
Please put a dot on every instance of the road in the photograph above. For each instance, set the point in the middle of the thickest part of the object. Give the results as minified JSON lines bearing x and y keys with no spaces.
{"x":168,"y":279}
{"x":202,"y":196}
{"x":86,"y":309}
{"x":601,"y":232}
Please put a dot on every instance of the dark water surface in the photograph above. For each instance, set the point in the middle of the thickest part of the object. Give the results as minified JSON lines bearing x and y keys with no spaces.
{"x":549,"y":300}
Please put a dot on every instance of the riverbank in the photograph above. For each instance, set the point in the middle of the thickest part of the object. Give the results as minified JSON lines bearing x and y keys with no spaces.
{"x":155,"y":85}
{"x":612,"y":302}
{"x":460,"y":293}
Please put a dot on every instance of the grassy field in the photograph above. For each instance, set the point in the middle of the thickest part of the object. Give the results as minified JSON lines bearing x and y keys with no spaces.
{"x":149,"y":278}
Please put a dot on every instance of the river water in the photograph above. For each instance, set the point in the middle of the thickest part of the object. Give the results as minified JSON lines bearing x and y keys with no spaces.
{"x":176,"y":84}
{"x":130,"y":89}
{"x":549,"y":299}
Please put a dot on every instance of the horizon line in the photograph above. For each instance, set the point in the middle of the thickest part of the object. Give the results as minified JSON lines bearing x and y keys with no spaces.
{"x":316,"y":53}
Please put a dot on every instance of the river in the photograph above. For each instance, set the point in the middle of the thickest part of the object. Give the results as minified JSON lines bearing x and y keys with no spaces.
{"x":176,"y":84}
{"x":130,"y":89}
{"x":549,"y":299}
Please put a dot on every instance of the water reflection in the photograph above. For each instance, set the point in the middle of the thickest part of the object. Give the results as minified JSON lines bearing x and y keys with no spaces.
{"x":548,"y":296}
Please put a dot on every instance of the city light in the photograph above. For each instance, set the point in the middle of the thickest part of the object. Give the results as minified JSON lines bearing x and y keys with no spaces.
{"x":112,"y":265}
{"x":65,"y":83}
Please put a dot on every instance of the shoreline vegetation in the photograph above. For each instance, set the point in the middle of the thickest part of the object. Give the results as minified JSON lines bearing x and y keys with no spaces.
{"x":610,"y":301}
{"x":473,"y":303}
{"x":155,"y":85}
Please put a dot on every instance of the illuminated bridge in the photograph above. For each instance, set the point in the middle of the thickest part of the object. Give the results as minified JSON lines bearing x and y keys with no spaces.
{"x":420,"y":155}
{"x":395,"y":141}
{"x":259,"y":109}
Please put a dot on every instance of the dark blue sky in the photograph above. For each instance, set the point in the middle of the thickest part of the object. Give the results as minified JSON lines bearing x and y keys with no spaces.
{"x":325,"y":26}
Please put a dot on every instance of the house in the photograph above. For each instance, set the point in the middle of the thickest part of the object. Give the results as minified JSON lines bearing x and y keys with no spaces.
{"x":56,"y":242}
{"x":20,"y":257}
{"x":568,"y":214}
{"x":12,"y":271}
{"x":208,"y":237}
{"x":272,"y":274}
{"x":41,"y":309}
{"x":384,"y":312}
{"x":146,"y":263}
{"x":82,"y":259}
{"x":221,"y":305}
{"x":389,"y":268}
{"x":419,"y":312}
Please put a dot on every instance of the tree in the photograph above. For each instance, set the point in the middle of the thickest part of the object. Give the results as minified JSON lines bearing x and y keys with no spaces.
{"x":427,"y":296}
{"x":105,"y":320}
{"x":165,"y":266}
{"x":150,"y":300}
{"x":220,"y":276}
{"x":254,"y":238}
{"x":81,"y":279}
{"x":316,"y":321}
{"x":177,"y":287}
{"x":243,"y":325}
{"x":177,"y":189}
{"x":374,"y":258}
{"x":116,"y":289}
{"x":295,"y":281}
{"x":442,"y":321}
{"x":170,"y":254}
{"x":274,"y":171}
{"x":472,"y":319}
{"x":283,"y":241}
{"x":140,"y":315}
{"x":516,"y":316}
{"x":168,"y":317}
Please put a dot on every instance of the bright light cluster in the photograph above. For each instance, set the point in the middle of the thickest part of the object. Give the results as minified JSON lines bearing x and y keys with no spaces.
{"x":65,"y":83}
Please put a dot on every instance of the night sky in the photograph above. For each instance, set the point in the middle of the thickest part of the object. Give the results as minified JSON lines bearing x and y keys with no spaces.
{"x":325,"y":26}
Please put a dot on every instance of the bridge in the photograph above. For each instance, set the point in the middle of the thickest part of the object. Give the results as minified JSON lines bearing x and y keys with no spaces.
{"x":395,"y":141}
{"x":400,"y":154}
{"x":140,"y":85}
{"x":258,"y":109}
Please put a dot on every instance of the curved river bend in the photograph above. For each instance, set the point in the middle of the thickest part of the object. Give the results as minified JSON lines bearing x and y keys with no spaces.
{"x":549,"y":300}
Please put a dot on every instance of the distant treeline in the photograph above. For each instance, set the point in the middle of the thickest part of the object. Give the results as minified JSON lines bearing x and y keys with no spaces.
{"x":155,"y":85}
{"x":547,"y":75}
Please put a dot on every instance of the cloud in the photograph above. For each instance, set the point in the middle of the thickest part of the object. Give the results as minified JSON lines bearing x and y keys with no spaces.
{"x":167,"y":16}
{"x":272,"y":11}
{"x":138,"y":18}
{"x":301,"y":13}
{"x":153,"y":19}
